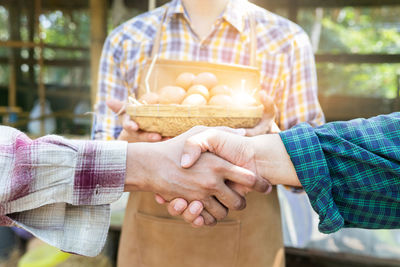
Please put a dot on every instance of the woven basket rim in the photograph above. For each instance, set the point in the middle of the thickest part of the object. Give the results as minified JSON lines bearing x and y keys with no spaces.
{"x":162,"y":110}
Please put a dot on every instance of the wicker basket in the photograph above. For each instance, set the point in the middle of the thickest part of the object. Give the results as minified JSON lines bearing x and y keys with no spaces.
{"x":172,"y":120}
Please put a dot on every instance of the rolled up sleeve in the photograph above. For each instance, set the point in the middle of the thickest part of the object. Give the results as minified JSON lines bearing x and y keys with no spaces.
{"x":350,"y":171}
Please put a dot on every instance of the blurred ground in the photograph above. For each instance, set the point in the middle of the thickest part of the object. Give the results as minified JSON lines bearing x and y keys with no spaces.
{"x":73,"y":261}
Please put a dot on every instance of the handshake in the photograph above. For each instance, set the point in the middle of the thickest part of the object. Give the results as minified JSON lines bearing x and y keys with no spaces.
{"x":204,"y":172}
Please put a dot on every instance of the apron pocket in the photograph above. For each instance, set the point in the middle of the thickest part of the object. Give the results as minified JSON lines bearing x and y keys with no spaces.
{"x":169,"y":242}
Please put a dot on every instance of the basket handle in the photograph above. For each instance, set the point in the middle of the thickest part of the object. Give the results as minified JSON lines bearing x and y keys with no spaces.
{"x":148,"y":74}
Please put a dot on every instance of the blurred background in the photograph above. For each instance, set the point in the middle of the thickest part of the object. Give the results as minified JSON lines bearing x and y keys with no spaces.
{"x":49,"y":52}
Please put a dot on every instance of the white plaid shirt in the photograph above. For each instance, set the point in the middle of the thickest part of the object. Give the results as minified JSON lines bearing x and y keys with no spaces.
{"x":60,"y":190}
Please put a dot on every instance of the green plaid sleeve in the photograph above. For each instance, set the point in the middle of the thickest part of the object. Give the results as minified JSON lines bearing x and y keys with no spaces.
{"x":350,"y":171}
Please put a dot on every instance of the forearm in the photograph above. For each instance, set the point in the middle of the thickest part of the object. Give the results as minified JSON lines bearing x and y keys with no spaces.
{"x":272,"y":161}
{"x":137,"y":164}
{"x":346,"y":167}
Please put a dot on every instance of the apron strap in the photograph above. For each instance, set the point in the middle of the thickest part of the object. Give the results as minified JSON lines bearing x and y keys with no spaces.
{"x":253,"y":41}
{"x":157,"y":41}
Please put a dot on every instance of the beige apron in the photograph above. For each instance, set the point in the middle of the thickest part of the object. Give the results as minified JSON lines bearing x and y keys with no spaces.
{"x":252,"y":237}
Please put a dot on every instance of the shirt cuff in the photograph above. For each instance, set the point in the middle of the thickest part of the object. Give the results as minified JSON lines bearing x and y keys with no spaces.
{"x":304,"y":149}
{"x":99,"y":172}
{"x":75,"y":229}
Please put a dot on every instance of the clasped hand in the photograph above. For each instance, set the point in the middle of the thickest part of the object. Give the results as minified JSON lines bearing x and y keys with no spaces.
{"x":186,"y":169}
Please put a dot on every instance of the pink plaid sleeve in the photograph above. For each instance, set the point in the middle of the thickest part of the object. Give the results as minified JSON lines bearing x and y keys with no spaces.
{"x":59,"y":190}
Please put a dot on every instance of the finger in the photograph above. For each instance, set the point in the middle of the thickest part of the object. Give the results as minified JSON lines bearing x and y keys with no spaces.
{"x":149,"y":137}
{"x":230,"y":198}
{"x":177,"y":206}
{"x":238,"y":188}
{"x":129,"y":125}
{"x":159,"y":199}
{"x":244,"y":177}
{"x":215,"y":208}
{"x":198,"y":222}
{"x":197,"y":144}
{"x":116,"y":106}
{"x":261,"y":128}
{"x":268,"y":103}
{"x":208,"y":219}
{"x":193,"y":211}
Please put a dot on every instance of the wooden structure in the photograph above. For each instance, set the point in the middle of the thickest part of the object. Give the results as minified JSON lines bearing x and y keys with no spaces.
{"x":336,"y":108}
{"x":35,"y":9}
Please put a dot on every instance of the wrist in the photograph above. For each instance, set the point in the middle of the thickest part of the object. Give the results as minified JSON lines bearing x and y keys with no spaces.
{"x":272,"y":161}
{"x":136,"y":161}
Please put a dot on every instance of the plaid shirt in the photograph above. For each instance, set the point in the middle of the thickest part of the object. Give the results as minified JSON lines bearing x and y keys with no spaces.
{"x":284,"y":57}
{"x":350,"y":171}
{"x":59,"y":190}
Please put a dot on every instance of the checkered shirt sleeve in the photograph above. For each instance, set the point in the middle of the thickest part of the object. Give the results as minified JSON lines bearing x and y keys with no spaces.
{"x":350,"y":171}
{"x":60,"y":190}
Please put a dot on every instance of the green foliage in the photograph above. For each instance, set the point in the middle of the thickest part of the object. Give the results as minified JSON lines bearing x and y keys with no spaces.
{"x":66,"y":29}
{"x":363,"y":31}
{"x":358,"y":79}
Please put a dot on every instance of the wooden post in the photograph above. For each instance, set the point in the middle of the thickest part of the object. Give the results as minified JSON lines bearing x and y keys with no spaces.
{"x":41,"y":86}
{"x":30,"y":96}
{"x":15,"y":36}
{"x":98,"y":34}
{"x":293,"y":9}
{"x":152,"y":4}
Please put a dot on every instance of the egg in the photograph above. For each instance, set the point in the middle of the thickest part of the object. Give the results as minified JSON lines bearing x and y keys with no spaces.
{"x":244,"y":100}
{"x":220,"y":90}
{"x":149,"y":98}
{"x":171,"y":95}
{"x":221,"y":100}
{"x":199,"y":89}
{"x":185,"y":79}
{"x":194,"y":100}
{"x":207,"y":79}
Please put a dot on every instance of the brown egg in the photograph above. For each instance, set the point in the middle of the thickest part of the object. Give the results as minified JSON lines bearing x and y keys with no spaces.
{"x":244,"y":100}
{"x":185,"y":80}
{"x":194,"y":100}
{"x":220,"y":90}
{"x":207,"y":79}
{"x":172,"y":95}
{"x":199,"y":89}
{"x":149,"y":98}
{"x":221,"y":100}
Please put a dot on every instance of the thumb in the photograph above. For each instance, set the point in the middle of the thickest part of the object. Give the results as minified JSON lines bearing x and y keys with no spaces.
{"x":192,"y":150}
{"x":115,"y":105}
{"x":212,"y":140}
{"x":268,"y":103}
{"x":200,"y":142}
